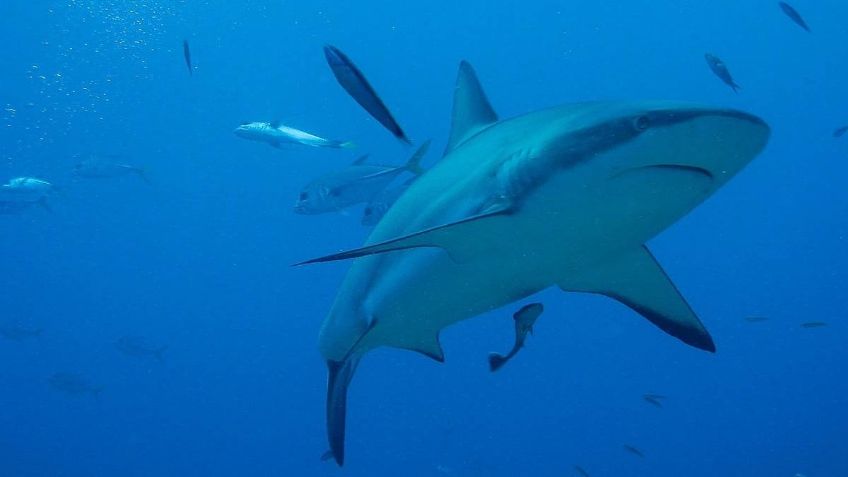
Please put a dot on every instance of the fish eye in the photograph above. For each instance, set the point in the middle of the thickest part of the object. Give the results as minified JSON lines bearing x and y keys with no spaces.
{"x":641,"y":123}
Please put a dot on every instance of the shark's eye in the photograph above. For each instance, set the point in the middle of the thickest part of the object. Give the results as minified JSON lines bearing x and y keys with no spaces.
{"x":641,"y":123}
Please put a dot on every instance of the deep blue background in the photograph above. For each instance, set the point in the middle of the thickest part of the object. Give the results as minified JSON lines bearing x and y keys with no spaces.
{"x":200,"y":260}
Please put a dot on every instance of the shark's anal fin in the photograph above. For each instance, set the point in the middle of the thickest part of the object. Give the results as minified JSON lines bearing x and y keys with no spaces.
{"x":471,"y":109}
{"x":452,"y":237}
{"x":637,"y":280}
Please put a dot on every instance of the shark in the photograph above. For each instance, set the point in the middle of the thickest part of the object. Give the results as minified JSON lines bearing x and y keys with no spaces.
{"x":564,"y":197}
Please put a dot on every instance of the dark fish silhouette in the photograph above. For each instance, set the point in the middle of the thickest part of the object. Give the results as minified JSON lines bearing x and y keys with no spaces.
{"x":354,"y":82}
{"x":73,"y":384}
{"x":139,"y":347}
{"x":813,"y":324}
{"x":756,"y":319}
{"x":838,"y":132}
{"x":720,"y":69}
{"x":187,"y":56}
{"x":655,"y":399}
{"x":17,"y":332}
{"x":793,"y":15}
{"x":580,"y":471}
{"x":633,"y":450}
{"x":524,"y":320}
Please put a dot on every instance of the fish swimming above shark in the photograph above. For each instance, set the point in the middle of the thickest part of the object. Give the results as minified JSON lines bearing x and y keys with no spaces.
{"x":564,"y":197}
{"x":276,"y":135}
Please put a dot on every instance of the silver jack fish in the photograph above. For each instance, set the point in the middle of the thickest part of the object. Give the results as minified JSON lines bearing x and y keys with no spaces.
{"x":276,"y":135}
{"x":358,"y":183}
{"x":22,"y":192}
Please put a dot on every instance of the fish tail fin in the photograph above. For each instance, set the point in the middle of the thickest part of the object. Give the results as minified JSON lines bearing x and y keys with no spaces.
{"x":346,"y":145}
{"x":160,"y":354}
{"x":413,"y":165}
{"x":496,"y":361}
{"x":142,"y":173}
{"x":338,"y":380}
{"x":735,"y":87}
{"x":42,"y":202}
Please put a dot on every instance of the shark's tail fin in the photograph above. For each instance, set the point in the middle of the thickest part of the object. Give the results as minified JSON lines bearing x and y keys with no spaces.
{"x":338,"y":380}
{"x":496,"y":361}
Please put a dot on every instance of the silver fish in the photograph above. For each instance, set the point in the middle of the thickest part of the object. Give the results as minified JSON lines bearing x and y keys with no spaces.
{"x":100,"y":168}
{"x":74,"y":384}
{"x":139,"y":347}
{"x":276,"y":135}
{"x":358,"y":183}
{"x":18,"y":332}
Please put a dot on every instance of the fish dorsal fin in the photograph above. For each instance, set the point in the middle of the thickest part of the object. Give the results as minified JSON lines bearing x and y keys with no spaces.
{"x":637,"y":280}
{"x":471,"y":109}
{"x":361,"y":160}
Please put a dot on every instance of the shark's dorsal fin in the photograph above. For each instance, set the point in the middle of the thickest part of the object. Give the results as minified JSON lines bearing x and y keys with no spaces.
{"x":637,"y":280}
{"x":456,"y":238}
{"x":471,"y":109}
{"x":360,"y":160}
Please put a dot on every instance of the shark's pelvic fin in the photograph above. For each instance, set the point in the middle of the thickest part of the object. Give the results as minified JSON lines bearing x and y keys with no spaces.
{"x":451,"y":237}
{"x":637,"y":280}
{"x":471,"y":109}
{"x":431,"y":348}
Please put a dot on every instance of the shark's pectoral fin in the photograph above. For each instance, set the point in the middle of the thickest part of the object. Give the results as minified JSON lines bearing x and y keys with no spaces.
{"x":637,"y":280}
{"x":338,"y":380}
{"x":456,"y":238}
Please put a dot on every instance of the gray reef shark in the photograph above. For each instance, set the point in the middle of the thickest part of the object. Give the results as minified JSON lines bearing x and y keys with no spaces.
{"x":562,"y":197}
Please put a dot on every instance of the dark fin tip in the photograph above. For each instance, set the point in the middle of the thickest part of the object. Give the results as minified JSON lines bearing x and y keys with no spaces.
{"x":496,"y":361}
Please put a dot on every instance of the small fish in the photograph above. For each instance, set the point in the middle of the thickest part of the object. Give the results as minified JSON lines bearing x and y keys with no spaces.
{"x":382,"y":202}
{"x":813,"y":324}
{"x":655,"y":399}
{"x":27,"y":190}
{"x":793,"y":15}
{"x":187,"y":57}
{"x":756,"y":319}
{"x":580,"y":471}
{"x":139,"y":347}
{"x":17,"y":332}
{"x":276,"y":135}
{"x":99,"y":168}
{"x":838,"y":132}
{"x":633,"y":450}
{"x":354,"y":82}
{"x":356,"y":184}
{"x":720,"y":69}
{"x":73,"y":384}
{"x":524,"y":318}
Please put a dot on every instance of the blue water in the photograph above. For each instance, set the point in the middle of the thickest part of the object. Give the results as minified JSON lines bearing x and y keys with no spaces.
{"x":199,"y":260}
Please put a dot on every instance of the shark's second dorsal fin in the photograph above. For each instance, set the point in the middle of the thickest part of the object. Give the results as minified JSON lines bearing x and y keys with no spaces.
{"x":471,"y":109}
